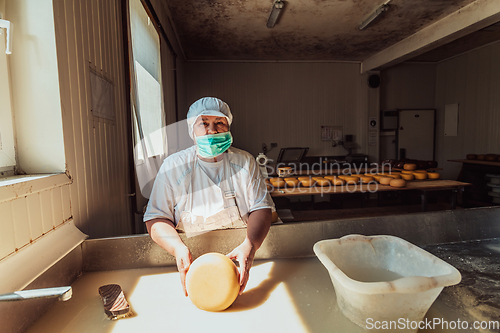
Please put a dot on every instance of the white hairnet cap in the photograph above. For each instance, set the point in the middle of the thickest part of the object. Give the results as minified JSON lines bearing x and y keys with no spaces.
{"x":207,"y":106}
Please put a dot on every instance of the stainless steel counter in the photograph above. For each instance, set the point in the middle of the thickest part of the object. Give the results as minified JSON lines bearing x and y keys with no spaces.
{"x":284,"y":241}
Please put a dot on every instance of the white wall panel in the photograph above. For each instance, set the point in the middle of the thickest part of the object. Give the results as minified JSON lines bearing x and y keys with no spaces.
{"x":21,"y":223}
{"x":91,"y":38}
{"x":408,"y":86}
{"x":47,"y":213}
{"x":286,"y":103}
{"x":473,"y":81}
{"x":57,"y":206}
{"x":7,"y":238}
{"x":29,"y":217}
{"x":34,"y":215}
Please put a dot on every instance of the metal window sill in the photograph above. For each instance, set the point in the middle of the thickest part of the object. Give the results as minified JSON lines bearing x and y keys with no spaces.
{"x":22,"y":185}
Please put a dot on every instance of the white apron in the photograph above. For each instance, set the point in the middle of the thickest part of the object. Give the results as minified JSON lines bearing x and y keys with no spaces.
{"x":208,"y":206}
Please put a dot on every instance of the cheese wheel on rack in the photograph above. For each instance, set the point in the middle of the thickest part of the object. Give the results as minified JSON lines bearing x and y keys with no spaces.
{"x":292,"y":182}
{"x":308,"y":183}
{"x":420,"y":175}
{"x":490,"y":157}
{"x":407,"y":172}
{"x":322,"y":182}
{"x":407,"y":176}
{"x":471,"y":156}
{"x":212,"y":282}
{"x":337,"y":181}
{"x":433,"y":175}
{"x":397,"y":183}
{"x":304,"y":178}
{"x":385,"y":180}
{"x":410,"y":166}
{"x":366,"y":179}
{"x":331,"y":177}
{"x":351,"y":180}
{"x":279,"y":183}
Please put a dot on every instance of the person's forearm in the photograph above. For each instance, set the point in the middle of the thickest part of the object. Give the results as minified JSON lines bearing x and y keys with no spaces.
{"x":259,"y":222}
{"x":163,"y":233}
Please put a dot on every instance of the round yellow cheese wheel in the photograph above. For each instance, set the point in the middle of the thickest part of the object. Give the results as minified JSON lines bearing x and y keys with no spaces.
{"x":410,"y":166}
{"x":351,"y":180}
{"x":398,"y":183}
{"x":308,"y":183}
{"x":366,"y":179}
{"x":292,"y":182}
{"x":420,"y":175}
{"x":385,"y":180}
{"x":304,"y":178}
{"x":407,"y":176}
{"x":212,"y":282}
{"x":331,"y":178}
{"x":337,"y":181}
{"x":322,"y":182}
{"x":433,"y":175}
{"x":278,"y":184}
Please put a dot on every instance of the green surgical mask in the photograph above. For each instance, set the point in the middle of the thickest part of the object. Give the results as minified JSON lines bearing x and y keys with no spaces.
{"x":212,"y":145}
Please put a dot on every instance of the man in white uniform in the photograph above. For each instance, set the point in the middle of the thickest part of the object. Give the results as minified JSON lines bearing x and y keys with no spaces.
{"x":209,"y":186}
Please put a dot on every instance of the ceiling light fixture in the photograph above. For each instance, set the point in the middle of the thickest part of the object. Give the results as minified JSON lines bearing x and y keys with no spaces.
{"x":383,"y":8}
{"x":275,"y":13}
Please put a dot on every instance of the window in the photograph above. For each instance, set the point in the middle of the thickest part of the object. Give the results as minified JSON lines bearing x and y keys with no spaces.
{"x":31,"y":135}
{"x":146,"y":94}
{"x":7,"y":152}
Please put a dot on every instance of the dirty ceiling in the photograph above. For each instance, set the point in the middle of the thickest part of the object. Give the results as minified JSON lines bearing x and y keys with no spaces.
{"x":306,"y":29}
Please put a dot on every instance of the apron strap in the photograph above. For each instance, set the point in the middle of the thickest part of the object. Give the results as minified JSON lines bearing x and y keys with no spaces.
{"x":226,"y":184}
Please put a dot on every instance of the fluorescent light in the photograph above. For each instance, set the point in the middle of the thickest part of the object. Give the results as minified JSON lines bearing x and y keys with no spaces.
{"x":383,"y":8}
{"x":275,"y":13}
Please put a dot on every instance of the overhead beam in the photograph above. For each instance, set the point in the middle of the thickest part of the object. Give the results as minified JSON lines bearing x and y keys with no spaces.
{"x":473,"y":17}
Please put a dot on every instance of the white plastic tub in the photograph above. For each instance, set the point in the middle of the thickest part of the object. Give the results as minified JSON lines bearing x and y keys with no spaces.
{"x":384,"y":279}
